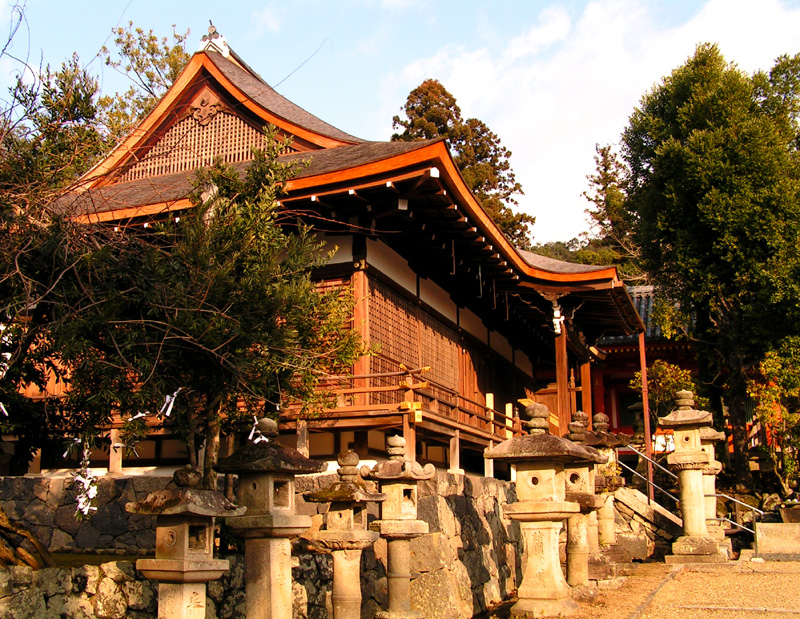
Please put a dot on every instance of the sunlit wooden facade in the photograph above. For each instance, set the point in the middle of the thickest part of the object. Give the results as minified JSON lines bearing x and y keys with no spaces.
{"x":462,"y":324}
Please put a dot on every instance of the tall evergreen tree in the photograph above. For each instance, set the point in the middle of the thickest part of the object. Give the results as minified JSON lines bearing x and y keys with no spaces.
{"x":432,"y":112}
{"x":714,"y":201}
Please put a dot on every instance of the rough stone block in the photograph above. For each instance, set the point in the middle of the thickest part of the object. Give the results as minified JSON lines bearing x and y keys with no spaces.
{"x":635,"y":545}
{"x":38,"y":513}
{"x":109,"y":601}
{"x":70,"y":606}
{"x":87,"y":536}
{"x":435,"y":595}
{"x":119,"y":571}
{"x":54,"y":580}
{"x":140,"y":595}
{"x":27,"y":604}
{"x":110,"y":520}
{"x":427,"y":553}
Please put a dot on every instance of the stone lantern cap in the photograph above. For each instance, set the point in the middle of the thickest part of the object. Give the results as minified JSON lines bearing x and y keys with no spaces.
{"x":710,"y":435}
{"x":685,"y":417}
{"x":397,"y":468}
{"x":349,"y":488}
{"x":541,"y":445}
{"x":188,"y":501}
{"x":268,"y":456}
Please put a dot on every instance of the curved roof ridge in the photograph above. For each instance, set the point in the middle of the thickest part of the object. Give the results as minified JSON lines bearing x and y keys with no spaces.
{"x":557,"y":266}
{"x":270,"y":99}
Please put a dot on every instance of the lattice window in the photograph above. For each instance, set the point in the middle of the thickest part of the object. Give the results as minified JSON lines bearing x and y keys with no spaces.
{"x":440,"y":350}
{"x":393,"y":325}
{"x":190,"y":144}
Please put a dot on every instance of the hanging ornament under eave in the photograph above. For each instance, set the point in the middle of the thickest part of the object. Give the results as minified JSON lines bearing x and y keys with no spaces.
{"x":214,"y":42}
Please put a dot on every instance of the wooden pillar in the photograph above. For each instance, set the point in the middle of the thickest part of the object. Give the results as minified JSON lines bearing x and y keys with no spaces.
{"x":488,"y":463}
{"x":115,"y":453}
{"x":410,"y":434}
{"x":509,"y":420}
{"x":490,"y":412}
{"x":302,"y":437}
{"x":586,"y":390}
{"x":361,"y":446}
{"x":361,"y":324}
{"x":455,"y":454}
{"x":598,"y":394}
{"x":35,"y":467}
{"x":562,"y":381}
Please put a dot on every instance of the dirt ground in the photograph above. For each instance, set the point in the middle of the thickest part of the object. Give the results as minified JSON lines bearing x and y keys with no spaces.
{"x":736,"y":590}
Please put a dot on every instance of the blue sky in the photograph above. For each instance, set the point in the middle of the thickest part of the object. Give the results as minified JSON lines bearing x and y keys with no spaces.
{"x":552,"y":79}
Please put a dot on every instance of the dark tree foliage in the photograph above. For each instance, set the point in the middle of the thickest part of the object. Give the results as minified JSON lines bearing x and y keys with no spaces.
{"x":713,"y":200}
{"x":432,"y":112}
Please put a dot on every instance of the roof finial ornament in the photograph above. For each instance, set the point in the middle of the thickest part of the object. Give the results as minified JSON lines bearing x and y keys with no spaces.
{"x":214,"y":42}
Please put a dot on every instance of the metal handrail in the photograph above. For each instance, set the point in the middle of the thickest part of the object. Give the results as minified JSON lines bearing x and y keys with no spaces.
{"x":730,"y":498}
{"x":734,"y":523}
{"x":666,"y":470}
{"x":656,"y":486}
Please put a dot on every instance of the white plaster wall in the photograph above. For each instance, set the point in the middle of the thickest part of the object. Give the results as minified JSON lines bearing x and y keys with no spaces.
{"x":343,"y":246}
{"x":472,"y":325}
{"x":501,"y":345}
{"x":438,"y":299}
{"x":391,"y":264}
{"x":523,"y":362}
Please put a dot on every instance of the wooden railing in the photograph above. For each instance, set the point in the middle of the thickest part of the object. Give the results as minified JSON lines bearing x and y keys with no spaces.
{"x":406,"y":391}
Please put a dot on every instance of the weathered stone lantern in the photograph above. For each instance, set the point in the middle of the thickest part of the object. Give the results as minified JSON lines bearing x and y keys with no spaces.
{"x":708,"y":437}
{"x":608,"y":478}
{"x":580,"y":481}
{"x":398,"y":479}
{"x":184,"y":560}
{"x":541,"y":508}
{"x":345,"y":534}
{"x":689,"y":459}
{"x":266,"y":488}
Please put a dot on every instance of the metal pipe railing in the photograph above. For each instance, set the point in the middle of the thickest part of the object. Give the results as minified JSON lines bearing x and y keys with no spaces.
{"x":734,"y":523}
{"x":730,"y":498}
{"x":666,"y":470}
{"x":656,"y":486}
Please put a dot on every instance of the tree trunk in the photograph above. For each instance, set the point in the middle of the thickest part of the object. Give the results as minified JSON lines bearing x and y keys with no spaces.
{"x":736,"y":395}
{"x":212,"y":446}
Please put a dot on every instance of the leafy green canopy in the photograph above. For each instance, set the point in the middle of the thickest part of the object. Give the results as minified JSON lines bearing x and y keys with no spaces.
{"x":713,"y":200}
{"x":432,"y":112}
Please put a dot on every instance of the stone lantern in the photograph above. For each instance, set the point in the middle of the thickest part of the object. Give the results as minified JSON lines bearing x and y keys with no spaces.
{"x":541,"y":508}
{"x":184,"y":560}
{"x":398,"y":479}
{"x":708,"y":437}
{"x":266,"y":487}
{"x":580,"y":488}
{"x":689,"y":459}
{"x":608,"y":478}
{"x":345,"y":534}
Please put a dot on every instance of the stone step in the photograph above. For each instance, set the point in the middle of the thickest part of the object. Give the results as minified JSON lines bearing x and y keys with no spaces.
{"x":653,"y":513}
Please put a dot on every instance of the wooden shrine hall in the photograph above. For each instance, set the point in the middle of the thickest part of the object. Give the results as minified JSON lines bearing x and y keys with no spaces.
{"x":464,"y":325}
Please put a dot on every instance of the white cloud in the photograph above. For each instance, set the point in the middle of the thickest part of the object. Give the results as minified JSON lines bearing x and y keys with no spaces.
{"x":266,"y":19}
{"x":558,"y":88}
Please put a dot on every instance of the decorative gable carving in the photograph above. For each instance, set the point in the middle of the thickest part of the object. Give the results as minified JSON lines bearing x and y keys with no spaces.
{"x":208,"y":131}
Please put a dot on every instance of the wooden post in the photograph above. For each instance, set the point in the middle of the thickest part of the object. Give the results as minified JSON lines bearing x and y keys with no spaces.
{"x":488,"y":463}
{"x":586,"y":390}
{"x":455,"y":454}
{"x":35,"y":467}
{"x":490,"y":412}
{"x":361,"y":446}
{"x":509,"y":420}
{"x":114,"y":453}
{"x":361,"y":324}
{"x":410,"y":434}
{"x":562,"y":381}
{"x":302,"y":437}
{"x":648,"y":435}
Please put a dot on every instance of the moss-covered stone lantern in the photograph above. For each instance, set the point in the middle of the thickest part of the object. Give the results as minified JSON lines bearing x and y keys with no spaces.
{"x":184,"y":559}
{"x":345,"y":534}
{"x":398,"y":478}
{"x":266,"y":488}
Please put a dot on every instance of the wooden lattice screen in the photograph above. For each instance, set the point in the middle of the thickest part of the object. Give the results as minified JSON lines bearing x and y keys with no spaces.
{"x":189,"y":145}
{"x":405,"y":333}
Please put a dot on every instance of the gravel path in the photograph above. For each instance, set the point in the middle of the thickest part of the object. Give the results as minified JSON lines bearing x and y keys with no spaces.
{"x":736,"y":590}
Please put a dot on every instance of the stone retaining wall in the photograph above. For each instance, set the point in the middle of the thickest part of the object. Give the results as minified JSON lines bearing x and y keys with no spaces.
{"x":468,"y":561}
